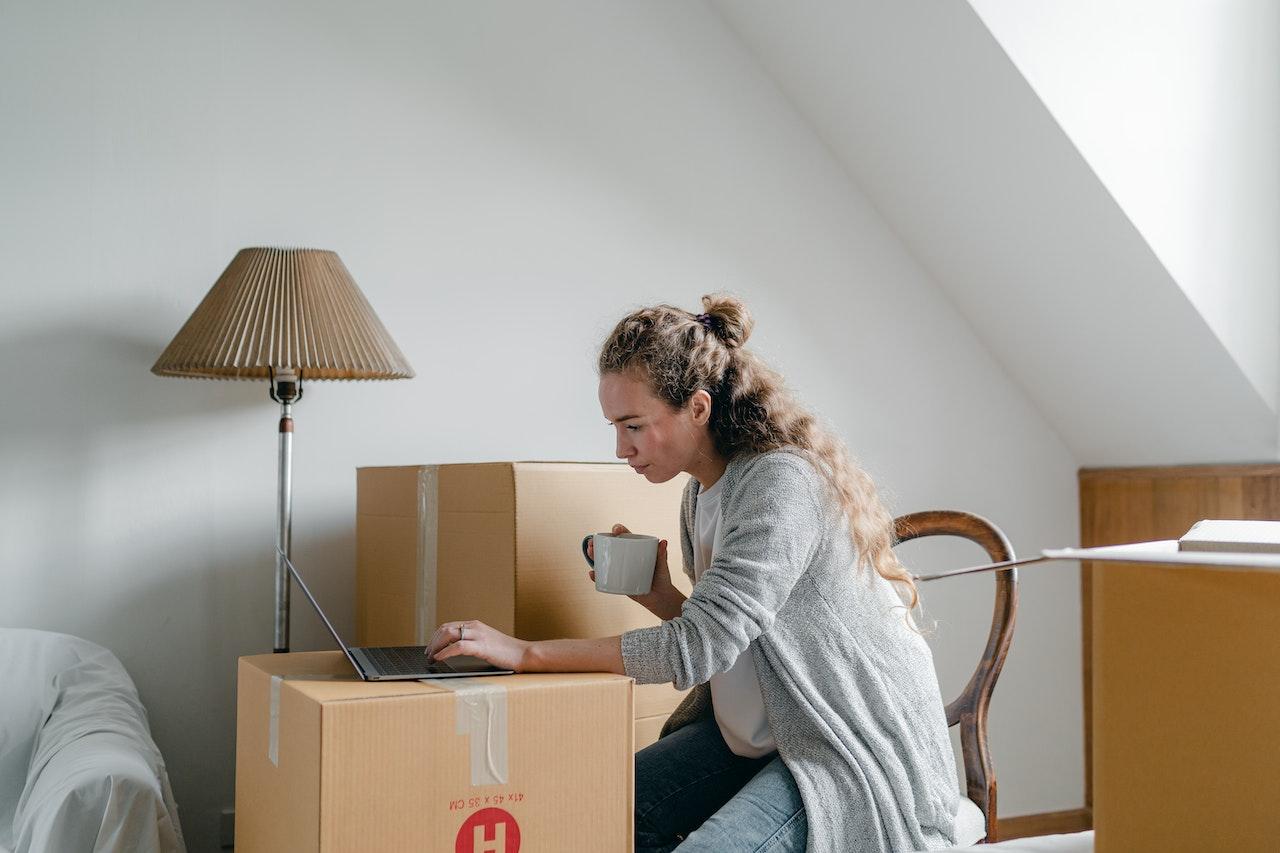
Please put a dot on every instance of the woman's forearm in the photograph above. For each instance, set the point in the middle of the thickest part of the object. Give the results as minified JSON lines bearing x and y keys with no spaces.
{"x":665,"y":607}
{"x":599,"y":655}
{"x":603,"y":654}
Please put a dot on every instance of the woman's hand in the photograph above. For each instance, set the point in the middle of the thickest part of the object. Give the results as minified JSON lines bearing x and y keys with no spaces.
{"x":663,"y":598}
{"x":473,"y":637}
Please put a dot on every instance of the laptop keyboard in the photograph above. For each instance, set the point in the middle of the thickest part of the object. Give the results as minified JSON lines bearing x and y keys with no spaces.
{"x":402,"y":660}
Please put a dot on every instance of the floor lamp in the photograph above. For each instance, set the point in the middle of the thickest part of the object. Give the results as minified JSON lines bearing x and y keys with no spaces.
{"x":284,"y":315}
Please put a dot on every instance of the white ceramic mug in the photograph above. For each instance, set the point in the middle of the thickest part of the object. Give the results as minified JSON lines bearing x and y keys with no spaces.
{"x":623,"y":562}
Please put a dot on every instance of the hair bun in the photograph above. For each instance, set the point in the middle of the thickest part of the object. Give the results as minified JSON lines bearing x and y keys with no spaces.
{"x":731,"y":321}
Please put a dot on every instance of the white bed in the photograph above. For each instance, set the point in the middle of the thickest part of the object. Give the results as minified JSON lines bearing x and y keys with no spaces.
{"x":78,"y":767}
{"x":1075,"y":842}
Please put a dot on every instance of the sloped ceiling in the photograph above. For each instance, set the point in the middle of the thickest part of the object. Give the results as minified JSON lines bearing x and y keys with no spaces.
{"x":936,"y":124}
{"x":1176,"y":108}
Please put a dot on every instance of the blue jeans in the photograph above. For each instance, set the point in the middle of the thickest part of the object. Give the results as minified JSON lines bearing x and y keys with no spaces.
{"x":693,"y":793}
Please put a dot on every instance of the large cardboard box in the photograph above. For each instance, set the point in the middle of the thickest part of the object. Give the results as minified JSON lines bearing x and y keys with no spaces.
{"x":502,"y":542}
{"x":326,"y":762}
{"x":1186,"y":683}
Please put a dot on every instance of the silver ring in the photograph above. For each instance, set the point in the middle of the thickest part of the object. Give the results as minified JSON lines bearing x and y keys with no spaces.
{"x":462,"y":632}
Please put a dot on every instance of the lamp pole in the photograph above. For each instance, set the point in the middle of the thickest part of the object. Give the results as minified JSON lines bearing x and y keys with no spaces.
{"x":285,"y":390}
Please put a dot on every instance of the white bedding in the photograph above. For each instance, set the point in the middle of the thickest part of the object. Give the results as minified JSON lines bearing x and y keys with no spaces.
{"x":78,"y":767}
{"x":1074,"y":842}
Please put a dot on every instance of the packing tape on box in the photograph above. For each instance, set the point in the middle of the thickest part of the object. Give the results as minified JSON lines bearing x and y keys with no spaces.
{"x":482,"y":716}
{"x":273,"y":727}
{"x":428,"y":536}
{"x":273,"y":712}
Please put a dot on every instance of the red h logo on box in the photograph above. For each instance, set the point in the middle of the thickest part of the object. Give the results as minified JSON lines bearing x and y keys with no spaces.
{"x":488,"y":831}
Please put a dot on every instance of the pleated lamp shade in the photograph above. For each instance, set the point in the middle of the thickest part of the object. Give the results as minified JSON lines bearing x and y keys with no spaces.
{"x":295,"y":309}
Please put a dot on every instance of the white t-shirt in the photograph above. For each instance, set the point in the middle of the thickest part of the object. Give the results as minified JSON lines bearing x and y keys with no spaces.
{"x":735,"y":694}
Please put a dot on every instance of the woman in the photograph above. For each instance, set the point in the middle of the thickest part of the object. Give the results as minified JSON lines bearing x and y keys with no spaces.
{"x":815,"y":720}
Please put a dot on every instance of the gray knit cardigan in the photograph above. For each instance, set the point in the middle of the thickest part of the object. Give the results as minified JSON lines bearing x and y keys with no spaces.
{"x":849,"y":689}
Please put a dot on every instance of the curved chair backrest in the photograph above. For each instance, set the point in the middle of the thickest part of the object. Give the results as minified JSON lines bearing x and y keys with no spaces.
{"x":969,"y":709}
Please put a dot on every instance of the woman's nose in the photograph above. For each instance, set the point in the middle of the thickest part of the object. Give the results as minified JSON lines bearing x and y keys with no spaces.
{"x":625,"y":449}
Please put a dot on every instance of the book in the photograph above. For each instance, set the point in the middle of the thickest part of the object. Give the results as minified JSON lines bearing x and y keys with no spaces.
{"x":1242,"y":537}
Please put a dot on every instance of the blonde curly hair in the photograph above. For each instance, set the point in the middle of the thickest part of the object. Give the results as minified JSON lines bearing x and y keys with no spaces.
{"x":678,"y":354}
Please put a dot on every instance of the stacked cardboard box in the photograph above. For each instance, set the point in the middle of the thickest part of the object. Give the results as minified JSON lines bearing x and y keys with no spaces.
{"x":1186,"y":682}
{"x":326,"y":762}
{"x":501,"y":542}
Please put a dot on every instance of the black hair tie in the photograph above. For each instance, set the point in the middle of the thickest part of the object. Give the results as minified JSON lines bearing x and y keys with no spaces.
{"x":710,"y":322}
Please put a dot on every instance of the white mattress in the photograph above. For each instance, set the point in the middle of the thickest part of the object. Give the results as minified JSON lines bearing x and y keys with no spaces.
{"x":1074,"y":842}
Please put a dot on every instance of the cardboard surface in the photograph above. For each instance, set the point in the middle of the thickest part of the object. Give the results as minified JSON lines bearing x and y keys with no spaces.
{"x":451,"y":765}
{"x":501,"y":542}
{"x":1186,"y":669}
{"x":648,"y":729}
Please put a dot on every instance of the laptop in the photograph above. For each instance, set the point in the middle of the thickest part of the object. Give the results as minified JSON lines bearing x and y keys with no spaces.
{"x":397,"y":663}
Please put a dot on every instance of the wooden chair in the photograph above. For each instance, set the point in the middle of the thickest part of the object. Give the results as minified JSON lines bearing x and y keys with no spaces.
{"x":969,"y":709}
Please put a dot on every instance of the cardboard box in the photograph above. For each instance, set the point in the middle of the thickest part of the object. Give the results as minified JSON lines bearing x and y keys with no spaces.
{"x":501,"y":542}
{"x":326,"y":762}
{"x":1186,"y":683}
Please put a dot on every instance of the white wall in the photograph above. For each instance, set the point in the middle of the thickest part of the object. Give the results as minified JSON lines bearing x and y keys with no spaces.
{"x":504,"y":181}
{"x":1176,"y":106}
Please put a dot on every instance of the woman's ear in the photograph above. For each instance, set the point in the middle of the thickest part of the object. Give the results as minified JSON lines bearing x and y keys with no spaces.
{"x":700,"y":407}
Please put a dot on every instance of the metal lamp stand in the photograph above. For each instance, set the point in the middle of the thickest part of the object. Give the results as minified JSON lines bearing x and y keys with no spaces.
{"x":286,"y":389}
